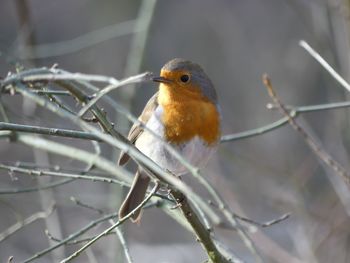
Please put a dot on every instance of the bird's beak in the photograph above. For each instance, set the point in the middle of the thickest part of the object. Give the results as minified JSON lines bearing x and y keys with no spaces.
{"x":161,"y":80}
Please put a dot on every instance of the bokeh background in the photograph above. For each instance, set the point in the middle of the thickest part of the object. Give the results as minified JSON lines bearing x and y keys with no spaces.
{"x":235,"y":42}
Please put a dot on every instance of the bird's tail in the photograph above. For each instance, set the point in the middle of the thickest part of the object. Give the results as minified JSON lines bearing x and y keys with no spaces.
{"x":135,"y":196}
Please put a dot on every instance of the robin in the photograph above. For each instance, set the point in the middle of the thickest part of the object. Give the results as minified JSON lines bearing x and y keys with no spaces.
{"x":185,"y":114}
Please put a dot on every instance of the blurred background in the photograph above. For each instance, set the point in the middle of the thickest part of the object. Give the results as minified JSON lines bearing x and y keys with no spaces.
{"x":236,"y":42}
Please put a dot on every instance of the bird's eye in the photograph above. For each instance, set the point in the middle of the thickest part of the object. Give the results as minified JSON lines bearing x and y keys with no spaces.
{"x":184,"y":78}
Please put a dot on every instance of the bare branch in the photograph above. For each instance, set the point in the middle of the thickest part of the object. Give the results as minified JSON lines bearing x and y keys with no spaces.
{"x":73,"y":242}
{"x":324,"y":64}
{"x":203,"y":234}
{"x":122,"y":240}
{"x":35,"y":172}
{"x":72,"y":236}
{"x":4,"y":126}
{"x":80,"y":203}
{"x":115,"y":225}
{"x":35,"y":189}
{"x":318,"y":150}
{"x":83,"y":240}
{"x":69,"y":76}
{"x":77,"y":154}
{"x":259,"y":224}
{"x":293,"y":112}
{"x":134,"y":79}
{"x":19,"y":225}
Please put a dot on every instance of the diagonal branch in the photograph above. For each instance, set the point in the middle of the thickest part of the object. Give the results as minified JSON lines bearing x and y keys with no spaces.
{"x":318,"y":150}
{"x":110,"y":229}
{"x":134,"y":79}
{"x":71,"y":237}
{"x":19,"y":225}
{"x":203,"y":234}
{"x":324,"y":64}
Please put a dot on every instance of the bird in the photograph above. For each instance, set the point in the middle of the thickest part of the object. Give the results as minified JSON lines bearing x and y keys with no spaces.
{"x":184,"y":113}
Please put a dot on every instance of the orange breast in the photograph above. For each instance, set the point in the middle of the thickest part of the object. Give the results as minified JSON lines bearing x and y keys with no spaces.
{"x":188,"y":115}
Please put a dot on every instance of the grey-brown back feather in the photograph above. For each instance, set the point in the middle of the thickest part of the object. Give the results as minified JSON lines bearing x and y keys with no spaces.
{"x":136,"y":130}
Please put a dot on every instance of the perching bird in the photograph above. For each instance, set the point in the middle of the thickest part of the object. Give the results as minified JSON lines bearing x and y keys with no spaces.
{"x":184,"y":113}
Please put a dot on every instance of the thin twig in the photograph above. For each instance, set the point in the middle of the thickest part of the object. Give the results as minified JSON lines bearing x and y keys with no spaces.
{"x":57,"y":100}
{"x":122,"y":240}
{"x":251,"y":221}
{"x":83,"y":240}
{"x":99,"y":178}
{"x":69,"y":76}
{"x":46,"y":92}
{"x":228,"y":253}
{"x":254,"y":132}
{"x":134,"y":79}
{"x":293,"y":112}
{"x":259,"y":224}
{"x":324,"y":64}
{"x":52,"y":92}
{"x":35,"y":172}
{"x":80,"y":203}
{"x":38,"y":188}
{"x":110,"y":229}
{"x":73,"y":242}
{"x":52,"y":74}
{"x":77,"y":154}
{"x":71,"y":237}
{"x":3,"y":112}
{"x":4,"y":126}
{"x":98,"y":114}
{"x":19,"y":225}
{"x":318,"y":150}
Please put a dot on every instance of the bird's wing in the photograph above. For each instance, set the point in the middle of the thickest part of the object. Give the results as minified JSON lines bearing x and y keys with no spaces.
{"x":136,"y":130}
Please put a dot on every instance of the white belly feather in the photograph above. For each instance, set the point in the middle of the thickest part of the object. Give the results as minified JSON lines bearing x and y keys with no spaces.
{"x":196,"y":152}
